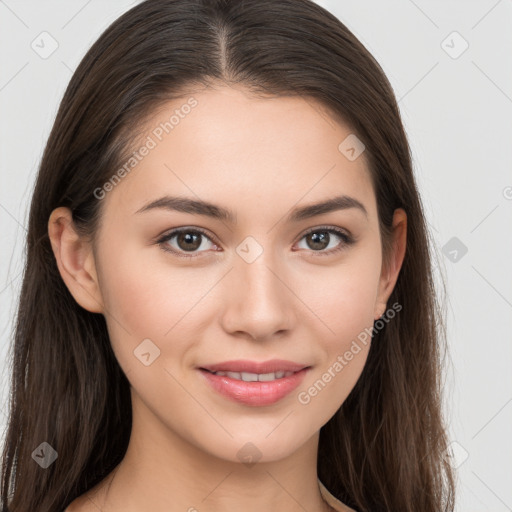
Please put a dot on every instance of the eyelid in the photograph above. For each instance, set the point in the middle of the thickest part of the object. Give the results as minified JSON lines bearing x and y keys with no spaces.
{"x":337,"y":229}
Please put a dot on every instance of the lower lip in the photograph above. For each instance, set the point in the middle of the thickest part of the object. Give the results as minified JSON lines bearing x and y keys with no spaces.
{"x":255,"y":393}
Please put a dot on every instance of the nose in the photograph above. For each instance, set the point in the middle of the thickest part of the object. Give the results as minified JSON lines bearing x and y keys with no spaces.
{"x":258,"y":301}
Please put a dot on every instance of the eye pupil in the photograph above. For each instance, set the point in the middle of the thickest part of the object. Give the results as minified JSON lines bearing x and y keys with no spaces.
{"x":188,"y":237}
{"x":319,"y":237}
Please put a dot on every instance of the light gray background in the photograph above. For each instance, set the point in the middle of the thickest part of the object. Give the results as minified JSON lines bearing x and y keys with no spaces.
{"x":457,"y":113}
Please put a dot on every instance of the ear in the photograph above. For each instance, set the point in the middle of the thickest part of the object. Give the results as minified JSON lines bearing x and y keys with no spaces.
{"x":389,"y":274}
{"x":75,"y":260}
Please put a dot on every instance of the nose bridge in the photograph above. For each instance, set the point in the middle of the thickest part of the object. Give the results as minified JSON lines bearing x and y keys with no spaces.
{"x":259,"y":302}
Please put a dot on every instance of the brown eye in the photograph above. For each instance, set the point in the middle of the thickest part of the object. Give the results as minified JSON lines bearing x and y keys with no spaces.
{"x":323,"y":240}
{"x":318,"y":240}
{"x":187,"y":240}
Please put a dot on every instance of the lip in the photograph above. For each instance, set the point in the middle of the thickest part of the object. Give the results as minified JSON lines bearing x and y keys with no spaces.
{"x":258,"y":393}
{"x":243,"y":365}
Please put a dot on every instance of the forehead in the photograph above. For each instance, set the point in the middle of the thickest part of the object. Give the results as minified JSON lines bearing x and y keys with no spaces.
{"x":230,"y":147}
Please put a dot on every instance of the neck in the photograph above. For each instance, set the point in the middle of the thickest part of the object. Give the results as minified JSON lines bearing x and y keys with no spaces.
{"x":161,"y":471}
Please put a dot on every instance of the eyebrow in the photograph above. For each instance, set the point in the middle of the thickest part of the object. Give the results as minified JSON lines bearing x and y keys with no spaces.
{"x":200,"y":207}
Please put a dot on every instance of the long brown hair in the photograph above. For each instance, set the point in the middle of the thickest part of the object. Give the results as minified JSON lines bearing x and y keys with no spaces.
{"x":383,"y":449}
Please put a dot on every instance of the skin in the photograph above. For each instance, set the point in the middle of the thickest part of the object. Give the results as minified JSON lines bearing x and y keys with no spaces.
{"x":261,"y":158}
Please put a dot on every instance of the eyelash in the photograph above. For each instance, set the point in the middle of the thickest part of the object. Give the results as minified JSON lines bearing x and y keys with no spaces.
{"x":346,"y":238}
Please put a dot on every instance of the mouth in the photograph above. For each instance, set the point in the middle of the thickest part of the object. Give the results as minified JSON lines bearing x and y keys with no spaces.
{"x":252,"y":377}
{"x":254,"y":383}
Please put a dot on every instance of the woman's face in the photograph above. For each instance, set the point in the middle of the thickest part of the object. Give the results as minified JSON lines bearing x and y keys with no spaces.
{"x":254,"y":287}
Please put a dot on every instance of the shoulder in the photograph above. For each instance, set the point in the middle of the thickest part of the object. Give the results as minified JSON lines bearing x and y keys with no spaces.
{"x":89,"y":501}
{"x":334,"y":502}
{"x":75,"y":506}
{"x":81,"y":504}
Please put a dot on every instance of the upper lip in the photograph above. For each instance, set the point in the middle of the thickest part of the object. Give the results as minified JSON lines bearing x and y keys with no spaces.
{"x":270,"y":366}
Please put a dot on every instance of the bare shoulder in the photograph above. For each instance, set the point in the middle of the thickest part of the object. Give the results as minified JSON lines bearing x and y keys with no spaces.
{"x":91,"y":500}
{"x":80,"y":504}
{"x":83,"y":503}
{"x":75,"y":506}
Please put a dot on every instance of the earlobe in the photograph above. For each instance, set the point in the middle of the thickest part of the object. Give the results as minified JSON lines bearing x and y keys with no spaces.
{"x":389,"y":275}
{"x":75,"y":260}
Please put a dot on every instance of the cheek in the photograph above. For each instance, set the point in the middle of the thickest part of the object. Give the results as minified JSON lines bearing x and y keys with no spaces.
{"x":344,"y":305}
{"x":145,"y":297}
{"x":148,"y":298}
{"x":342,"y":297}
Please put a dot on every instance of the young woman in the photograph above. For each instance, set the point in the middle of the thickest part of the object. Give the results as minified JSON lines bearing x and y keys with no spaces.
{"x":228,"y":301}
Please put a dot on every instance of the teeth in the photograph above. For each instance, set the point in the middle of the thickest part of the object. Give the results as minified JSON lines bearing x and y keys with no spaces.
{"x":249,"y":377}
{"x":267,"y":376}
{"x":253,"y":377}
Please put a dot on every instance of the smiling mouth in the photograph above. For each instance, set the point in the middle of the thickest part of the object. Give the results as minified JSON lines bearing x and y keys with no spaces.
{"x":255,"y":389}
{"x":253,"y":377}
